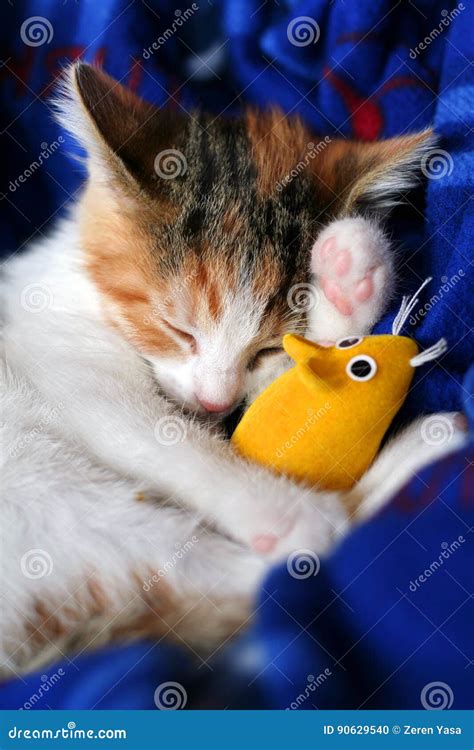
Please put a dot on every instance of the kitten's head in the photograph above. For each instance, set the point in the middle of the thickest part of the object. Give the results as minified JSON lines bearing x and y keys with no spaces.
{"x":197,"y":230}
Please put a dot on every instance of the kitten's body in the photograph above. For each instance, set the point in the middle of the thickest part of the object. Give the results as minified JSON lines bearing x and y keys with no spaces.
{"x":141,"y":518}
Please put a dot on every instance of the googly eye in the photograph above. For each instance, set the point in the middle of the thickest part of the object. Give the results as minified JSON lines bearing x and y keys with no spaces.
{"x":349,"y":342}
{"x":362,"y":367}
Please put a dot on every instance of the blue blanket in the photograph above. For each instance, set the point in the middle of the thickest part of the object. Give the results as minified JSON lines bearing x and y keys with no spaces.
{"x":364,"y":631}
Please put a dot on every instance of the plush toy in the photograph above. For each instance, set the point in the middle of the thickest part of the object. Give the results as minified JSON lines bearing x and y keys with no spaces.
{"x":323,"y":420}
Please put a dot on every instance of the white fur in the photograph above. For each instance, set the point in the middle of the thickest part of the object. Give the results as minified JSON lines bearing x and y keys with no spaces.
{"x":405,"y":456}
{"x":105,"y":480}
{"x":82,"y":436}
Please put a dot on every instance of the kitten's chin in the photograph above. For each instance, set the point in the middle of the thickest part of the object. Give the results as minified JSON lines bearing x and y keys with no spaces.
{"x":195,"y":410}
{"x":210,"y":417}
{"x":192,"y":407}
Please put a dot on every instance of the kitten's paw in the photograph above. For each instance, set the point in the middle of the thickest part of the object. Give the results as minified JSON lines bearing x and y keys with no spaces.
{"x":265,"y":542}
{"x":320,"y":521}
{"x":353,"y":266}
{"x":296,"y":518}
{"x":273,"y":516}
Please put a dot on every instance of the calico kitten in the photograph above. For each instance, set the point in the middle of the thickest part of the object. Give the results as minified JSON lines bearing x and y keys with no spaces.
{"x":156,"y":307}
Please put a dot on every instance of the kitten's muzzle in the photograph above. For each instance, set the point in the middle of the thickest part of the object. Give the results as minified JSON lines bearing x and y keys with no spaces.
{"x":212,"y":407}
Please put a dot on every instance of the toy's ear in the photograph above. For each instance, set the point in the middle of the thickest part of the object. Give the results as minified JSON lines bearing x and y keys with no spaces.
{"x":298,"y":348}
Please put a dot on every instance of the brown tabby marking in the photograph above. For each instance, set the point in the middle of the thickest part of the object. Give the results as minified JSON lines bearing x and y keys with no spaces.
{"x":229,"y":220}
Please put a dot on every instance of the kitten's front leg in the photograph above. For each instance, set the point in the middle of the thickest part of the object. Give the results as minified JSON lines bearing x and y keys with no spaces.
{"x":127,"y":426}
{"x":270,"y":513}
{"x":353,"y":267}
{"x":424,"y":441}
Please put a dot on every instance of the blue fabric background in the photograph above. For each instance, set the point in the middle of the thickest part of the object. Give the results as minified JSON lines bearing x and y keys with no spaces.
{"x":381,"y":642}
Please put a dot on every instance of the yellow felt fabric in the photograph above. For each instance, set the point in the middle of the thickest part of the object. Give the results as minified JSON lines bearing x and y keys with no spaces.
{"x":317,"y":425}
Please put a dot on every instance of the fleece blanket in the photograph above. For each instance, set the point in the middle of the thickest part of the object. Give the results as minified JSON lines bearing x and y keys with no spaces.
{"x":384,"y":621}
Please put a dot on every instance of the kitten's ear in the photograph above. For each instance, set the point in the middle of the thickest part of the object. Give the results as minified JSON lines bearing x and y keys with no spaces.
{"x":121,"y":133}
{"x":374,"y":176}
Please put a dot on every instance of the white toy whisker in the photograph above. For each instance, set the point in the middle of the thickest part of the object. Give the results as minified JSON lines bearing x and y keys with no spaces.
{"x":408,"y":303}
{"x":428,"y":355}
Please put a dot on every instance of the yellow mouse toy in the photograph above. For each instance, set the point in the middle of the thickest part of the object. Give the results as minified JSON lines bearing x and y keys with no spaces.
{"x":323,"y":420}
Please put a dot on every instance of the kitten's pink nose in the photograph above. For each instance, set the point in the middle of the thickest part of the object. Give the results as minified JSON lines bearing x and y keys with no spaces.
{"x":213,"y":407}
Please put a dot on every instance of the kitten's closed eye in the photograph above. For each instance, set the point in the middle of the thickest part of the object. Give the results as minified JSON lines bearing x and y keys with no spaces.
{"x":219,"y":246}
{"x":262,"y":354}
{"x":186,"y":337}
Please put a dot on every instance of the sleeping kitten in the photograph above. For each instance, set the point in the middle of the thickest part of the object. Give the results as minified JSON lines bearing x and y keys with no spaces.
{"x":151,"y":312}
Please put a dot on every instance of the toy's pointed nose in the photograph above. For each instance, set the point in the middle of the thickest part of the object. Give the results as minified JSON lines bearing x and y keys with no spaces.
{"x":300,"y":349}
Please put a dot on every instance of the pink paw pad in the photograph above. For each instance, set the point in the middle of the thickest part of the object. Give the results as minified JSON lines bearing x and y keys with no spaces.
{"x":326,"y":248}
{"x":264,"y":542}
{"x":364,"y":288}
{"x":330,"y":289}
{"x":335,"y":295}
{"x":343,"y":305}
{"x":343,"y":262}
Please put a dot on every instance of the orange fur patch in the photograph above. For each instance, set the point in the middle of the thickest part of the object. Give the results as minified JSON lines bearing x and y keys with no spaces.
{"x":120,"y":262}
{"x":233,"y":222}
{"x":278,"y":144}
